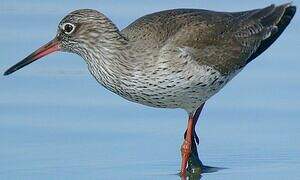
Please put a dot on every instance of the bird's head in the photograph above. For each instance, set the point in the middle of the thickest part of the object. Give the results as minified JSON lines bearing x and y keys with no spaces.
{"x":78,"y":32}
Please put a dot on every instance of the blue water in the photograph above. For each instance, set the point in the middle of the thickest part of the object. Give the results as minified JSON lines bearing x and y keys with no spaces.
{"x":56,"y":122}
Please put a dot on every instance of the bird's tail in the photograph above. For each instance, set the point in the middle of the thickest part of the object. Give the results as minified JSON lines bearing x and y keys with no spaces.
{"x":277,"y":16}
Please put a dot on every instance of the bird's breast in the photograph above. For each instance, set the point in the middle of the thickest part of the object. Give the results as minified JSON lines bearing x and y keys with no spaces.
{"x":159,"y":86}
{"x":180,"y":89}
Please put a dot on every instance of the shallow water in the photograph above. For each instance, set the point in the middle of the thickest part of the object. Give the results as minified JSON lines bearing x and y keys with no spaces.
{"x":56,"y":122}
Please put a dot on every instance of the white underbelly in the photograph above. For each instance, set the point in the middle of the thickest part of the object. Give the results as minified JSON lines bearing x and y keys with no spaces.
{"x":182,"y":90}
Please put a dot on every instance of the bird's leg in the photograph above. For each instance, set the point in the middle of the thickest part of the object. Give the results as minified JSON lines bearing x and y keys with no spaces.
{"x":186,"y":147}
{"x":189,"y":149}
{"x":195,"y":165}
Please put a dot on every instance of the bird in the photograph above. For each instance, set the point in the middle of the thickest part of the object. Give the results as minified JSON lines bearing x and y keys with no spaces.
{"x":177,"y":58}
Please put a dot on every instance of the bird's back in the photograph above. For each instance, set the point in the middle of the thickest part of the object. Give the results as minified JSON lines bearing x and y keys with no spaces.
{"x":242,"y":35}
{"x":155,"y":29}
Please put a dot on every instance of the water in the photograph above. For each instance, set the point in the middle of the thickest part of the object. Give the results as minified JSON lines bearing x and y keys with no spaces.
{"x":56,"y":122}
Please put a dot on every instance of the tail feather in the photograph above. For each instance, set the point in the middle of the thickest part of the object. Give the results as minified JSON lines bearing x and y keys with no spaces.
{"x":262,"y":13}
{"x":275,"y":16}
{"x":279,"y":17}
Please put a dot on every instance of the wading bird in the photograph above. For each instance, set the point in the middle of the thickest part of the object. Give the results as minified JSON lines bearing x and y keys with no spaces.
{"x":170,"y":59}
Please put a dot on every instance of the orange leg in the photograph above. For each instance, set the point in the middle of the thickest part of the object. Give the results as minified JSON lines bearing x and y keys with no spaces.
{"x":189,"y":137}
{"x":186,"y":147}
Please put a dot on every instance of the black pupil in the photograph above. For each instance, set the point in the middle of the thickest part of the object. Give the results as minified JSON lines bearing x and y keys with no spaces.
{"x":68,"y":28}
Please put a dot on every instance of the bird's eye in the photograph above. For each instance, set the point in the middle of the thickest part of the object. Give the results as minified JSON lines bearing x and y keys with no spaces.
{"x":68,"y":28}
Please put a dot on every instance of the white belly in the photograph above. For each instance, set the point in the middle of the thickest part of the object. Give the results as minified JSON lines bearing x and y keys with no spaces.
{"x":186,"y":90}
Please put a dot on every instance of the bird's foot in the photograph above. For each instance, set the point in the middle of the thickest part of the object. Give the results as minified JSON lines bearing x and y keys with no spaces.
{"x":189,"y":151}
{"x":190,"y":176}
{"x":195,"y":166}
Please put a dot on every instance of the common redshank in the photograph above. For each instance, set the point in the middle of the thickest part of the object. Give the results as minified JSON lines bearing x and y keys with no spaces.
{"x":170,"y":59}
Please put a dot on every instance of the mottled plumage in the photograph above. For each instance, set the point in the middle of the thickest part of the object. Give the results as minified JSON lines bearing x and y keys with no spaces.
{"x":175,"y":58}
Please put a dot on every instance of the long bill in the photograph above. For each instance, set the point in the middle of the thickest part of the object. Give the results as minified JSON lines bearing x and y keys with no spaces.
{"x":48,"y":48}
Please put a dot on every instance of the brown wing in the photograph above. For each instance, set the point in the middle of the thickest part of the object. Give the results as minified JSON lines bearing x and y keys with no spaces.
{"x":227,"y":41}
{"x":154,"y":30}
{"x":231,"y":42}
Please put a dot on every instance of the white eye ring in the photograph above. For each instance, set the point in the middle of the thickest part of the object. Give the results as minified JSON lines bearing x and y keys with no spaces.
{"x":68,"y":28}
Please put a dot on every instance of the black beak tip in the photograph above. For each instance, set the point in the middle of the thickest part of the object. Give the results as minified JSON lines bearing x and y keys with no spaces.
{"x":8,"y":72}
{"x":5,"y":73}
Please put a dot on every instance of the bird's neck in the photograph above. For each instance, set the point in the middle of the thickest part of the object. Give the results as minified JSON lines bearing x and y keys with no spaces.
{"x":109,"y":63}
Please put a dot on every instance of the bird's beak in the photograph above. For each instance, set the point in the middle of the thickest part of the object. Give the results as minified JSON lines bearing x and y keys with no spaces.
{"x":48,"y":48}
